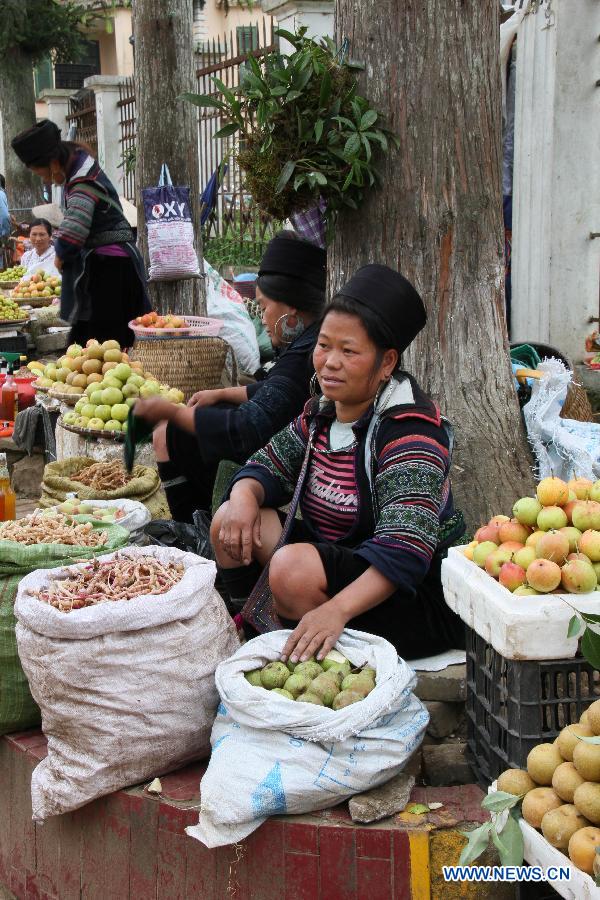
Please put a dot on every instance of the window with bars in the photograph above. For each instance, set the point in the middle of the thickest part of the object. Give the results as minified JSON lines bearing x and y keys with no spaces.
{"x":247,"y":38}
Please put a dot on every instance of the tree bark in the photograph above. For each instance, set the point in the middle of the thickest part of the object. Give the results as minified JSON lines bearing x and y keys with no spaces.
{"x":167,"y":129}
{"x":17,"y":111}
{"x":432,"y":69}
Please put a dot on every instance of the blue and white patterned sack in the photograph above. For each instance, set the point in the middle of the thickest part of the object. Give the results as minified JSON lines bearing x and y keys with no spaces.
{"x":170,"y":231}
{"x":563,"y":447}
{"x":271,"y":756}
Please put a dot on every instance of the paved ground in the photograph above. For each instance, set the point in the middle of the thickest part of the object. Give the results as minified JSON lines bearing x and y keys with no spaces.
{"x":24,"y":507}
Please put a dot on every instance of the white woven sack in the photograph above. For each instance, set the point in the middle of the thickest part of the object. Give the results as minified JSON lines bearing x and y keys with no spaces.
{"x":126,"y":689}
{"x":272,"y":756}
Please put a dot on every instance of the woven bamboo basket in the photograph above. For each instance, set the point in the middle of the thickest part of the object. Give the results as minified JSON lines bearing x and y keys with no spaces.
{"x":577,"y":405}
{"x":189,"y":364}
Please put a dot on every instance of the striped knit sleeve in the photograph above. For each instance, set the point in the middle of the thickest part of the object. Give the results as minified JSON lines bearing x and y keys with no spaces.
{"x":277,"y":466}
{"x":411,"y":488}
{"x":75,"y":226}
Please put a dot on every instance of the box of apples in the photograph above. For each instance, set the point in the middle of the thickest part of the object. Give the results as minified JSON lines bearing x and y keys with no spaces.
{"x":507,"y":583}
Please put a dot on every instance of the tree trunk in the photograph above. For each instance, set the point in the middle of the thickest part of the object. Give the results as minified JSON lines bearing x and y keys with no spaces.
{"x":167,"y":129}
{"x":432,"y":68}
{"x":17,"y":111}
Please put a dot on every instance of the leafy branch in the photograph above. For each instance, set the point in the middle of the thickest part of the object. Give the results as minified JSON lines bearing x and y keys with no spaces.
{"x":42,"y":27}
{"x":589,"y":623}
{"x":503,"y":829}
{"x":303,"y":131}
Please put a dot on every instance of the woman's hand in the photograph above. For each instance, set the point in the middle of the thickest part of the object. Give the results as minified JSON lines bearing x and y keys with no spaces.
{"x":205,"y":398}
{"x":240,"y":530}
{"x":316,"y":633}
{"x":58,"y":263}
{"x":154,"y":410}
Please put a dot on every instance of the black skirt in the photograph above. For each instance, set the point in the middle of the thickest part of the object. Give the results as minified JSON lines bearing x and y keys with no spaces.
{"x":419,"y":625}
{"x":117,"y":296}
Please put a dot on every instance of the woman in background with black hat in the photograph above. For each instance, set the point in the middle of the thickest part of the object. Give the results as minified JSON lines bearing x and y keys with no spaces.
{"x":375,"y":496}
{"x":103,"y":278}
{"x":232,"y":423}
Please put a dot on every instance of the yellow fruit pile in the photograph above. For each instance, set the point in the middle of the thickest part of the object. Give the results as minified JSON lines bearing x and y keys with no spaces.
{"x":552,"y":543}
{"x":12,"y":274}
{"x":39,"y":285}
{"x":561,"y":791}
{"x":107,"y":382}
{"x":10,"y":311}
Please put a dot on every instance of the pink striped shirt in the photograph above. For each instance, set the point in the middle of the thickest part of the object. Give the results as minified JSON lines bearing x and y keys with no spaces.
{"x":330,"y":498}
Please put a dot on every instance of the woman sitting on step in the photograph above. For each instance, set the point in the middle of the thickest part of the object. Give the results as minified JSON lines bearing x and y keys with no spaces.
{"x":368,"y":466}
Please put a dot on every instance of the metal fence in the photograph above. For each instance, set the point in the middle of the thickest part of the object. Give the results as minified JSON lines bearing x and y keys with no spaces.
{"x":234,"y":226}
{"x":82,"y":114}
{"x":126,"y":104}
{"x":233,"y":218}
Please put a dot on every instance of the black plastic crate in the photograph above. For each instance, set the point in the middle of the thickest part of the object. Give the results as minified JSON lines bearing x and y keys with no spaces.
{"x":512,"y":705}
{"x":15,"y":344}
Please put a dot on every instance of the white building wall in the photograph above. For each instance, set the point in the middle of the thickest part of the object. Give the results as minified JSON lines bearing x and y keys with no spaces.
{"x":556,"y":190}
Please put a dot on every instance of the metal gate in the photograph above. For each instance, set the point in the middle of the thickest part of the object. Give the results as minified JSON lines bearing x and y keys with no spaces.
{"x":235,"y":228}
{"x":126,"y":104}
{"x":82,"y":114}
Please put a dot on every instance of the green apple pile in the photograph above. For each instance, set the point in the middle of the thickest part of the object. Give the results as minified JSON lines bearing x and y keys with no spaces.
{"x":12,"y":274}
{"x":550,"y":545}
{"x":332,"y":682}
{"x":91,"y":512}
{"x":9,"y":310}
{"x":107,"y":383}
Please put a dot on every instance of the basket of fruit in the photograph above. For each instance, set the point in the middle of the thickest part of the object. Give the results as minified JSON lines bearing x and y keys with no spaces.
{"x":10,"y":278}
{"x":111,"y":430}
{"x":152,"y":325}
{"x":39,"y":289}
{"x":11,"y":315}
{"x":102,"y":383}
{"x":66,"y":393}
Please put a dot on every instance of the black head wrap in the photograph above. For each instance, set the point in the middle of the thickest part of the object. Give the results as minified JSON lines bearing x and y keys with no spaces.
{"x":391,"y":296}
{"x":38,"y":145}
{"x":296,"y":259}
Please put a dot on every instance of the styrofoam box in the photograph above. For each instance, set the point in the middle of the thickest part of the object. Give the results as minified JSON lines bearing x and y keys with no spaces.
{"x":530,"y":627}
{"x":538,"y":852}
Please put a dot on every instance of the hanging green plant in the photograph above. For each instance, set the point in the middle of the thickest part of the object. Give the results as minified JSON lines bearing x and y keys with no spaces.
{"x":304,"y":133}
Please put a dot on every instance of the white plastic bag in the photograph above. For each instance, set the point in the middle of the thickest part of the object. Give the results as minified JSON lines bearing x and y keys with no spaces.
{"x":564,"y":448}
{"x":223,"y":302}
{"x":126,"y":688}
{"x":136,"y":514}
{"x":272,"y":756}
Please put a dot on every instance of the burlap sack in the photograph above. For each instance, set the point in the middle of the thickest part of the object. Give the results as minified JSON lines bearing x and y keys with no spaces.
{"x":145,"y":486}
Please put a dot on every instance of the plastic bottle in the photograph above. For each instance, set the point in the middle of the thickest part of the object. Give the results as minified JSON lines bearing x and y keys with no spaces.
{"x":8,"y":498}
{"x":10,"y":397}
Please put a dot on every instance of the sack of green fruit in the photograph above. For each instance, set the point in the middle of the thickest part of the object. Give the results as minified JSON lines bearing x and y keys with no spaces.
{"x":278,"y":750}
{"x":18,"y":710}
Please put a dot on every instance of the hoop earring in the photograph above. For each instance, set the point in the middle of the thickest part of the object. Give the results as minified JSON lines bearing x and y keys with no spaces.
{"x":288,"y":333}
{"x":314,"y":386}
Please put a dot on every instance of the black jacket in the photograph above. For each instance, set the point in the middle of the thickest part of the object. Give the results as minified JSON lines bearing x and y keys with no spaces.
{"x":236,"y":432}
